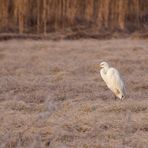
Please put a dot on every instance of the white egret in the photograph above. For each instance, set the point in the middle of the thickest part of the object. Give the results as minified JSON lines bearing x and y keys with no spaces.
{"x":113,"y":80}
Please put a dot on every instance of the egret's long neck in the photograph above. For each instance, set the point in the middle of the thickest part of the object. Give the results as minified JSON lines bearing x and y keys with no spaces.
{"x":103,"y":74}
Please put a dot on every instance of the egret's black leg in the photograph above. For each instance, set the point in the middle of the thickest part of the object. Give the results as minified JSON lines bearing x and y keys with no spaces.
{"x":122,"y":98}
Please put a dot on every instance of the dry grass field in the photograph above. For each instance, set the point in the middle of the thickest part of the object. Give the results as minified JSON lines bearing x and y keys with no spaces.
{"x":52,"y":95}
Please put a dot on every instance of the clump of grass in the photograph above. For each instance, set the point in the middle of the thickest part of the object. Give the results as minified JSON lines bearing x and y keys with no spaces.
{"x":59,"y":76}
{"x":88,"y":108}
{"x":123,"y":107}
{"x":55,"y":70}
{"x":17,"y":105}
{"x":22,"y":106}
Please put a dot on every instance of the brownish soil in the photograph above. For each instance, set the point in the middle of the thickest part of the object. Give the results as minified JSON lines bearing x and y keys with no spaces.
{"x":52,"y":95}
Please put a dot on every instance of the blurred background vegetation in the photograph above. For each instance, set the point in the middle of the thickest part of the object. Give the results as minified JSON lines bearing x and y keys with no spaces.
{"x":44,"y":16}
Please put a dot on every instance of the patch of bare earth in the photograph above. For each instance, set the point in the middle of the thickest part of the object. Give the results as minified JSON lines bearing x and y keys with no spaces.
{"x":51,"y":94}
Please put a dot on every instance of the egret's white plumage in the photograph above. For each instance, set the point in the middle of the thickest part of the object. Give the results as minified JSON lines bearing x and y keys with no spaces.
{"x":113,"y":80}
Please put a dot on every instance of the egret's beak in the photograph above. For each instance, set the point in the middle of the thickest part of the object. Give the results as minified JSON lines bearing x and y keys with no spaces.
{"x":101,"y":66}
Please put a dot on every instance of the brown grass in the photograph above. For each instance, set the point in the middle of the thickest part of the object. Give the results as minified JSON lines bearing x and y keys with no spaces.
{"x":51,"y":94}
{"x":43,"y":16}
